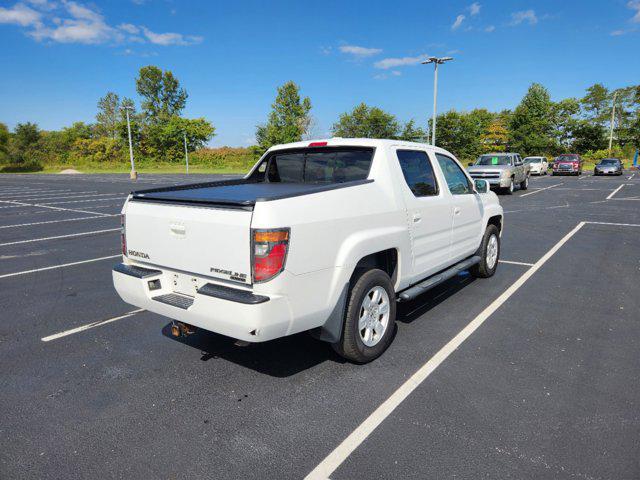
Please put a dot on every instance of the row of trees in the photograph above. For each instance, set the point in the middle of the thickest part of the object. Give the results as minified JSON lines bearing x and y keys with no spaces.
{"x":158,"y":130}
{"x":537,"y":126}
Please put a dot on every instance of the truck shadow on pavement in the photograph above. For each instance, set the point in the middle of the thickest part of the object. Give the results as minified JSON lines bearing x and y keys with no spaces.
{"x":414,"y":309}
{"x":289,"y":356}
{"x":282,"y":357}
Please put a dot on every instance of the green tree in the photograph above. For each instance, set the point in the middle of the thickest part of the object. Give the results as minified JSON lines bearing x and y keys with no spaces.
{"x":366,"y":122}
{"x":531,"y":127}
{"x":289,"y":118}
{"x":463,"y":133}
{"x":588,"y":135}
{"x":163,"y":97}
{"x":26,"y":135}
{"x":411,"y":133}
{"x":4,"y":143}
{"x":166,"y":140}
{"x":564,"y":123}
{"x":596,"y":104}
{"x":108,"y":115}
{"x":24,"y":153}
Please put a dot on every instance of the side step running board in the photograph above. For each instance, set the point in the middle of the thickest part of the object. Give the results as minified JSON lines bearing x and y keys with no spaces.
{"x":438,"y":278}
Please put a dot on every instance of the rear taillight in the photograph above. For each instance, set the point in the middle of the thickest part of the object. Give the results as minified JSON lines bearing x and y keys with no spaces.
{"x":123,"y":236}
{"x":269,"y":253}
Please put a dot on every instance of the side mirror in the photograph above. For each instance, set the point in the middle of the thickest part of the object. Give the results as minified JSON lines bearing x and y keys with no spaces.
{"x":482,"y":186}
{"x":470,"y":164}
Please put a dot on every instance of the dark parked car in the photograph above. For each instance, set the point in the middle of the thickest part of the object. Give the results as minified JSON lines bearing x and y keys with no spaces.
{"x":568,"y":164}
{"x":608,"y":166}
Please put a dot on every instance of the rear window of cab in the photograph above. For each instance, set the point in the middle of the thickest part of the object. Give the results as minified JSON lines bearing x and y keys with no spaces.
{"x":324,"y":165}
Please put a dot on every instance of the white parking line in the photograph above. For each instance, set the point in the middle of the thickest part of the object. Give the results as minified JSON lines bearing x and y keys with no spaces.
{"x":516,"y":263}
{"x":615,"y":224}
{"x":55,"y":267}
{"x":20,"y":194}
{"x":115,"y":197}
{"x":359,"y":435}
{"x":82,"y":234}
{"x":88,"y":326}
{"x":54,"y":195}
{"x":58,"y":221}
{"x":54,"y":208}
{"x":631,"y":176}
{"x":542,"y":189}
{"x":615,"y":191}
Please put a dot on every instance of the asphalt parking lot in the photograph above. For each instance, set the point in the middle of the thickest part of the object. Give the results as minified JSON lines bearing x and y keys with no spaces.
{"x":534,"y":373}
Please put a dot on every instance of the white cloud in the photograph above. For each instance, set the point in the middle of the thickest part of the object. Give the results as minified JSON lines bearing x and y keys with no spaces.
{"x":360,"y":52}
{"x":85,"y":26}
{"x":387,"y":63}
{"x":635,"y":5}
{"x":170,"y":38}
{"x":490,"y":28}
{"x":43,"y":4}
{"x":459,"y":19}
{"x":524,"y":16}
{"x":69,"y":21}
{"x":474,"y":9}
{"x":396,"y":73}
{"x":617,"y":33}
{"x":20,"y":14}
{"x":129,"y":28}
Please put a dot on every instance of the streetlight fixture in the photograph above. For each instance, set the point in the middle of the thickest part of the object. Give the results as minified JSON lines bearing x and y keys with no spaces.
{"x":436,"y":61}
{"x":613,"y":114}
{"x":133,"y":175}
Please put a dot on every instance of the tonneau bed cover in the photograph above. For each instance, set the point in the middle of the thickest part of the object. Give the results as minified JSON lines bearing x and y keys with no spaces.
{"x":236,"y":192}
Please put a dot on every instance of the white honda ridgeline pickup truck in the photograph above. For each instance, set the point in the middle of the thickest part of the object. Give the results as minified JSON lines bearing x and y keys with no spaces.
{"x":323,"y":236}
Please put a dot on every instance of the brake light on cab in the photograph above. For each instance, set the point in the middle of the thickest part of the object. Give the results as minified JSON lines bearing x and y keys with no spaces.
{"x":269,"y":253}
{"x":123,"y":236}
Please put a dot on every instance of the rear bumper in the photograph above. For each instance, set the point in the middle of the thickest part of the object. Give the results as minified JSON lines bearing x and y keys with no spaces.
{"x":225,"y":310}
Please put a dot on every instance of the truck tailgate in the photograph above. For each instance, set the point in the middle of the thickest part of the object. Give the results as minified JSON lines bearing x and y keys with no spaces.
{"x":206,"y":241}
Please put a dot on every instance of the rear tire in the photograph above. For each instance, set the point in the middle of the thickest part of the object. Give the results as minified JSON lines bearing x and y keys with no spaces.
{"x":489,"y":252}
{"x":371,"y":306}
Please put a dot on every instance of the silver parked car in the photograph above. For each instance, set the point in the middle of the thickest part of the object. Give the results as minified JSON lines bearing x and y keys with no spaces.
{"x":502,"y":171}
{"x":539,"y":165}
{"x":608,"y":166}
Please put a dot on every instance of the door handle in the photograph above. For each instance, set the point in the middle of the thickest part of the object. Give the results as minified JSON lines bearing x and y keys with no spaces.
{"x":416,"y":217}
{"x":456,"y":211}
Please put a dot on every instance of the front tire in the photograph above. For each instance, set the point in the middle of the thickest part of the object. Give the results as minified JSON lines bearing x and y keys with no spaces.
{"x":525,"y":183}
{"x":369,"y":320}
{"x":509,"y":190}
{"x":489,"y":252}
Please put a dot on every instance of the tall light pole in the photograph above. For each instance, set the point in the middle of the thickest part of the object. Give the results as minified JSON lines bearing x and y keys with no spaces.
{"x":436,"y":61}
{"x":133,"y":175}
{"x":186,"y":152}
{"x":613,"y":113}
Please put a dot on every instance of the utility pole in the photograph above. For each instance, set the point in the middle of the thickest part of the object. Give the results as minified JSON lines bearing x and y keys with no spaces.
{"x":186,"y":152}
{"x":436,"y":61}
{"x":613,"y":113}
{"x":133,"y":175}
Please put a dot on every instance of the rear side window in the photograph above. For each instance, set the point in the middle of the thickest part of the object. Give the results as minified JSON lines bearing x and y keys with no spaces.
{"x":320,"y":166}
{"x":418,"y":172}
{"x":456,"y":179}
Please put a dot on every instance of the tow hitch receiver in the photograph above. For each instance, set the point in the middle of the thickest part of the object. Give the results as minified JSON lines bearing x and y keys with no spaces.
{"x":179,"y":329}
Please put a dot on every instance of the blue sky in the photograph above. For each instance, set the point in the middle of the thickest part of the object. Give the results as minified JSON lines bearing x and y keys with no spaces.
{"x":59,"y":57}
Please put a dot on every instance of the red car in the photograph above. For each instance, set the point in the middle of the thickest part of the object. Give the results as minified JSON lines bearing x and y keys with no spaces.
{"x":568,"y":164}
